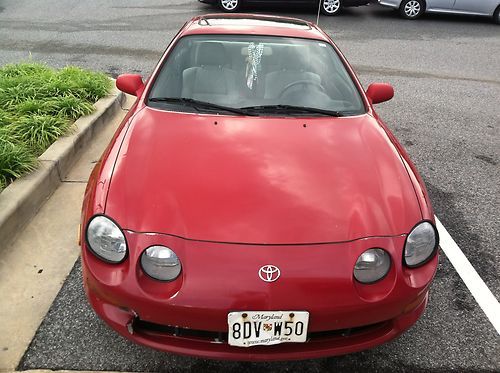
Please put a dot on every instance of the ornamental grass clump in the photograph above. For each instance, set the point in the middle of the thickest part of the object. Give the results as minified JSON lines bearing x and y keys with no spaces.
{"x":38,"y":132}
{"x":5,"y":118}
{"x":39,"y":104}
{"x":15,"y":160}
{"x":70,"y":106}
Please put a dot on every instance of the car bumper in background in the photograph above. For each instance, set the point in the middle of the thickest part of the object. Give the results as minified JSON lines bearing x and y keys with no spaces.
{"x":390,"y":3}
{"x":345,"y":2}
{"x":356,"y":2}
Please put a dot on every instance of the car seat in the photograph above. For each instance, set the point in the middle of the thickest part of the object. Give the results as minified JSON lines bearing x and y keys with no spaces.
{"x":211,"y":80}
{"x":293,"y":69}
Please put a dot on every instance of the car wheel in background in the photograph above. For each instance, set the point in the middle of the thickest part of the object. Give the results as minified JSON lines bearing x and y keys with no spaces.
{"x":496,"y":16}
{"x":412,"y":9}
{"x":331,"y":7}
{"x":230,"y":6}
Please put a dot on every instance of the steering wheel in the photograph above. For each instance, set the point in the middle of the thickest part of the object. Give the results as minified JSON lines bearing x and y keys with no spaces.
{"x":303,"y":82}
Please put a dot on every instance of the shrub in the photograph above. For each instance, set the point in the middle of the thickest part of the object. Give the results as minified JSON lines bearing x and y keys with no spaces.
{"x":38,"y":104}
{"x":39,"y":131}
{"x":15,"y":160}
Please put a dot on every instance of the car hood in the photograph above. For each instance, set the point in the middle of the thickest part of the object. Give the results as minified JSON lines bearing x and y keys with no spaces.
{"x":260,"y":180}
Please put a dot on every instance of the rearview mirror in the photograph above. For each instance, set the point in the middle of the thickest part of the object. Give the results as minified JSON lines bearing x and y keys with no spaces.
{"x":379,"y":92}
{"x":130,"y":83}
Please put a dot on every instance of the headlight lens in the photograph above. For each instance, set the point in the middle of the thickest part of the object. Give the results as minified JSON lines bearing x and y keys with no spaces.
{"x":106,"y":240}
{"x":372,"y":265}
{"x":420,"y":245}
{"x":161,"y":263}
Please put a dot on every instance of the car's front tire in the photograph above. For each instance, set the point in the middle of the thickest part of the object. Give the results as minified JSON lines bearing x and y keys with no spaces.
{"x":230,"y":6}
{"x":331,"y":7}
{"x":412,"y":9}
{"x":496,"y":16}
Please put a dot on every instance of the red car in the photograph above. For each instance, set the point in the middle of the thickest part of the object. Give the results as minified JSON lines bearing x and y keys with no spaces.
{"x":253,"y":206}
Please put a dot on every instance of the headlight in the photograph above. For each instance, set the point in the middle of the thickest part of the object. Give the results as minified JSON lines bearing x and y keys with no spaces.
{"x":372,"y":266}
{"x":160,"y":263}
{"x":420,"y":244}
{"x":106,"y":240}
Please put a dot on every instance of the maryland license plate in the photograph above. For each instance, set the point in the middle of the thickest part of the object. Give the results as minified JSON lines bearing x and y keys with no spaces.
{"x":253,"y":328}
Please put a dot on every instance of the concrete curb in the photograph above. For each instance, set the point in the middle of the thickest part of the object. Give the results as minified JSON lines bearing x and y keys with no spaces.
{"x":21,"y":200}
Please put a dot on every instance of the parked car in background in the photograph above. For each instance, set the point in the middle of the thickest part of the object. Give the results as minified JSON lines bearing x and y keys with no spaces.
{"x":412,"y":9}
{"x":252,"y":205}
{"x":328,"y":7}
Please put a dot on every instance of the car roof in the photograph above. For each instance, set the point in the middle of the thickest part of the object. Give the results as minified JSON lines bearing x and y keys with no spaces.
{"x":253,"y":24}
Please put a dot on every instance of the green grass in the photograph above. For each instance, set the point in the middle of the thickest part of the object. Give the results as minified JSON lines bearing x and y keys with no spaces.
{"x":38,"y":104}
{"x":15,"y":160}
{"x":38,"y":132}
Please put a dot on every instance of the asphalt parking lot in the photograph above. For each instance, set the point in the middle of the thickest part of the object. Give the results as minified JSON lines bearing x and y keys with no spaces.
{"x":446,"y":76}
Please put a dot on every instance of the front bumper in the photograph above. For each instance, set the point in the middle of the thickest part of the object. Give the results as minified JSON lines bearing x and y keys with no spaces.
{"x":189,"y":315}
{"x":204,"y":346}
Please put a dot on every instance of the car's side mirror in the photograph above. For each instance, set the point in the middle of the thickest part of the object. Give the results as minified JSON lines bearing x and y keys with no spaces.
{"x":379,"y":92}
{"x":130,"y":83}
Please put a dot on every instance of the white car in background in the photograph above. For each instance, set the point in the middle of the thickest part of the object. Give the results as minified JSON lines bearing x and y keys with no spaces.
{"x":412,"y":9}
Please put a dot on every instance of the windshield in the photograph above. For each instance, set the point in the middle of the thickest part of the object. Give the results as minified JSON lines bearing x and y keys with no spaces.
{"x":255,"y":74}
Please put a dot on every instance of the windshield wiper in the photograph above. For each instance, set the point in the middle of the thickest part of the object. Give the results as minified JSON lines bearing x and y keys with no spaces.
{"x":199,"y":104}
{"x":292,"y":109}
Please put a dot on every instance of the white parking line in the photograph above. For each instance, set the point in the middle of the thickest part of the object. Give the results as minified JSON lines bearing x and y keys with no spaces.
{"x":474,"y":283}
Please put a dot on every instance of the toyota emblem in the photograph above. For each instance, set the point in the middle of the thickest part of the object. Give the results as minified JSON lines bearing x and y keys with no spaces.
{"x":269,"y":273}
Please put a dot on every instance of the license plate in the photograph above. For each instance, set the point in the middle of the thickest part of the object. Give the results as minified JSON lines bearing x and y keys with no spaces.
{"x":253,"y":328}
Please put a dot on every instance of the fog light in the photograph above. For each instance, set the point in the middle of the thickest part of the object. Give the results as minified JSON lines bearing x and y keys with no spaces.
{"x":372,"y":266}
{"x":161,"y":263}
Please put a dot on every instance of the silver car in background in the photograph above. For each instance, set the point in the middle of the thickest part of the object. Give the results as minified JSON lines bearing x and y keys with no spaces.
{"x":412,"y":9}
